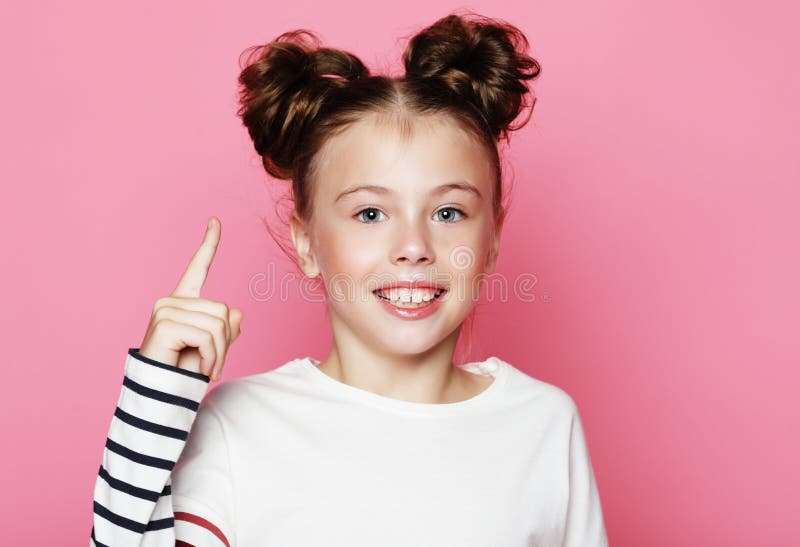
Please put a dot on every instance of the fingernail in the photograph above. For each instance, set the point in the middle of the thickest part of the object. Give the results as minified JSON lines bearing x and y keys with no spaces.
{"x":209,"y":222}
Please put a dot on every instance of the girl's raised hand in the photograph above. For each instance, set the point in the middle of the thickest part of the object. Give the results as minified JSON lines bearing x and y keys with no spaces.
{"x":188,"y":331}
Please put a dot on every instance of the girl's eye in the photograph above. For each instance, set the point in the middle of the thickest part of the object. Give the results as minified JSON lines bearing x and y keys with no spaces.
{"x":450,"y":213}
{"x":371,"y":215}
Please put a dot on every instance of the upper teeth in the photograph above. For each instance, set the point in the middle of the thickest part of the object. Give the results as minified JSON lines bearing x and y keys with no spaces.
{"x":408,"y":295}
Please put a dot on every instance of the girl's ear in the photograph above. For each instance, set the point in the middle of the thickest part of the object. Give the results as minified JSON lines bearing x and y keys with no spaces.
{"x":302,"y":244}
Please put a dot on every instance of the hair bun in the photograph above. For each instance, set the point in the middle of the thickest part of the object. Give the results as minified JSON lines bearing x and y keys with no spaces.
{"x":283,"y":87}
{"x":482,"y":60}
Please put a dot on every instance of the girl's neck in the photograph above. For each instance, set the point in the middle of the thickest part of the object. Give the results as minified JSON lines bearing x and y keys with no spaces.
{"x":428,"y":377}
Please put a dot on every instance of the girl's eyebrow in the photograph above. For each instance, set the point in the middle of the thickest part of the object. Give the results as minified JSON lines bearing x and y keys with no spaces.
{"x":383,"y":190}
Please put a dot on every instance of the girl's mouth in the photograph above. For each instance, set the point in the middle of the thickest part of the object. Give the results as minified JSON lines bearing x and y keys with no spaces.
{"x":409,"y":298}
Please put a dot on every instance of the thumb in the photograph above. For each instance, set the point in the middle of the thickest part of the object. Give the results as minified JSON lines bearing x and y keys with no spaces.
{"x":235,"y":316}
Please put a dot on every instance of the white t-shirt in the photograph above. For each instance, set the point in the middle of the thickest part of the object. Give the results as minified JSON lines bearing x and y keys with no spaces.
{"x":294,"y":458}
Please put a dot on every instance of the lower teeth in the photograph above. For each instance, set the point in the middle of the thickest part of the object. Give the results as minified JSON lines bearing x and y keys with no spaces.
{"x":411,"y":304}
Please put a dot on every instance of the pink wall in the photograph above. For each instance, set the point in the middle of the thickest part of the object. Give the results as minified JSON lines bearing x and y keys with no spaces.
{"x":655,"y":201}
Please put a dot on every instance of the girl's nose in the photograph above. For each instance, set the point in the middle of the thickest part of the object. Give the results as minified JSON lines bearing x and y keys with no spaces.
{"x":412,"y":245}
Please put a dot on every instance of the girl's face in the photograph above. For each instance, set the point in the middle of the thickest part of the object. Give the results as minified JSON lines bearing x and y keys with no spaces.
{"x":388,"y":210}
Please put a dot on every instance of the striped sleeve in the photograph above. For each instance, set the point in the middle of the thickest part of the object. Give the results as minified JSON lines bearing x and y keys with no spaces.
{"x":157,"y":406}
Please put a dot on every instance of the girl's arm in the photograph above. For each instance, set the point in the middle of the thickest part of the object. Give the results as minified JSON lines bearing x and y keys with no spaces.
{"x":133,"y":492}
{"x":584,"y":525}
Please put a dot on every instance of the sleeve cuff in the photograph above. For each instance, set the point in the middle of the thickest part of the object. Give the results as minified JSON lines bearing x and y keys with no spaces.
{"x":134,"y":352}
{"x":166,"y":378}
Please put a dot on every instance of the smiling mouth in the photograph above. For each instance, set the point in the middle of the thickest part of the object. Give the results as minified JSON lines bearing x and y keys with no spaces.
{"x":409,"y":299}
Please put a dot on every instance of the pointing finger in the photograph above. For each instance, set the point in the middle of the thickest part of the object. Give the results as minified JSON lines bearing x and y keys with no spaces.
{"x":194,"y":277}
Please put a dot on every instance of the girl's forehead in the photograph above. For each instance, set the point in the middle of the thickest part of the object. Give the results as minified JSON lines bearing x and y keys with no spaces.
{"x":418,"y":151}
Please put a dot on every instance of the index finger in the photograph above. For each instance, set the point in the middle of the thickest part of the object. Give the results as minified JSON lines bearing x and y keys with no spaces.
{"x":196,"y":272}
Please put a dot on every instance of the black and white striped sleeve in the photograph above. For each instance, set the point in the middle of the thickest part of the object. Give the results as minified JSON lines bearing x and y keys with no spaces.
{"x":155,"y":412}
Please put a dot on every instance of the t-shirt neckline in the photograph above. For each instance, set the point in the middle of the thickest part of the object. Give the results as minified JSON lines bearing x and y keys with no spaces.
{"x":492,"y":366}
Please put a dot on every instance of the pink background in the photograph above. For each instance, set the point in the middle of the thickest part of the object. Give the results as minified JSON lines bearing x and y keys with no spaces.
{"x":655,"y":200}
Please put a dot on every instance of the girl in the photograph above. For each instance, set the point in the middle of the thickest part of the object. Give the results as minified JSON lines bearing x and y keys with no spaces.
{"x":398,"y":210}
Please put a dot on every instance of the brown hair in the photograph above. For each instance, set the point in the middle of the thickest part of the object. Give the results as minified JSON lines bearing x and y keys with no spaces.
{"x":296,"y":94}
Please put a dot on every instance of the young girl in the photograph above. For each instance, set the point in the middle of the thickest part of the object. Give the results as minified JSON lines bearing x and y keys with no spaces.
{"x":398,"y":209}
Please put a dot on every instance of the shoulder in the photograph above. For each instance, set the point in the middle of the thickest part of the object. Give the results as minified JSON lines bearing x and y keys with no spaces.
{"x":525,"y":389}
{"x":230,"y":396}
